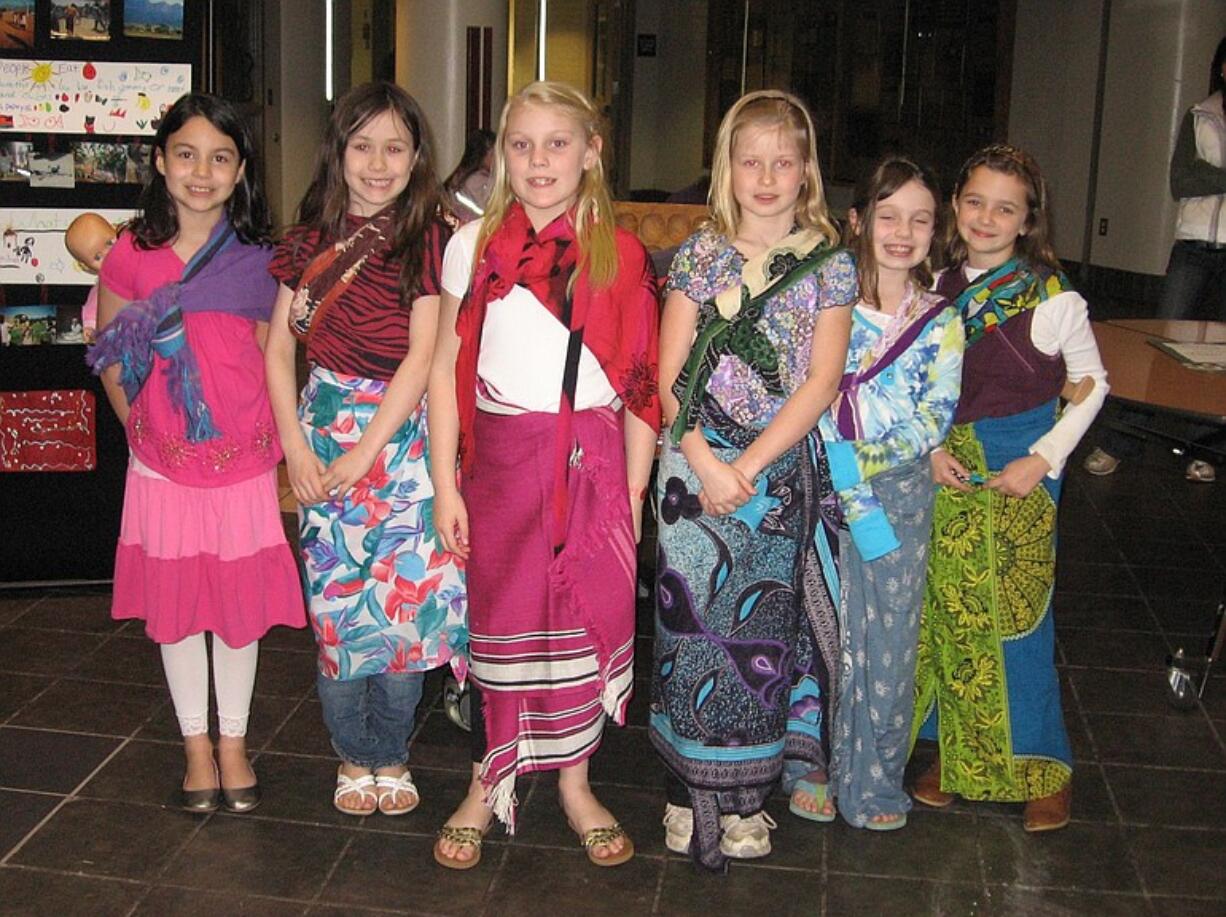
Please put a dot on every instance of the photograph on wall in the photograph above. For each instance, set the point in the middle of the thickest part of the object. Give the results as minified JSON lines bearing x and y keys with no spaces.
{"x":48,"y":431}
{"x":27,"y":326}
{"x":139,"y":162}
{"x":15,"y":160}
{"x":153,"y":19}
{"x":81,"y":21}
{"x":32,"y":245}
{"x":100,"y":162}
{"x":89,"y":97}
{"x":51,"y":171}
{"x":17,"y":25}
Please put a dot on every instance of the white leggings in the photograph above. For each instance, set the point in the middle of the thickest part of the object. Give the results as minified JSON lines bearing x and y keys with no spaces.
{"x":187,"y":672}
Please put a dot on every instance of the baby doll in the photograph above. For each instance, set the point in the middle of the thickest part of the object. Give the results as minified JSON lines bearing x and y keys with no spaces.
{"x":88,"y":238}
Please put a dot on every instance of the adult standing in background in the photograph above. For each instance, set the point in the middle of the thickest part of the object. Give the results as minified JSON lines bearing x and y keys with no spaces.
{"x":1196,"y":271}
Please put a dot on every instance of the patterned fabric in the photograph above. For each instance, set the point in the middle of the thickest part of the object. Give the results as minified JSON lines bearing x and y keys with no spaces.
{"x":367,"y":333}
{"x":880,"y":615}
{"x":552,"y":634}
{"x":986,"y":683}
{"x":901,"y":412}
{"x":746,"y":630}
{"x":1014,"y":287}
{"x":383,"y":594}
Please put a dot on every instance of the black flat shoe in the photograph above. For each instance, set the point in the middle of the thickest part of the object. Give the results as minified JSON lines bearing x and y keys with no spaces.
{"x":200,"y":802}
{"x":243,"y":799}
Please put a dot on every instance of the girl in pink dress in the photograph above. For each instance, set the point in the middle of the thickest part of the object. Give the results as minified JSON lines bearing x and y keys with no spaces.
{"x":184,"y":301}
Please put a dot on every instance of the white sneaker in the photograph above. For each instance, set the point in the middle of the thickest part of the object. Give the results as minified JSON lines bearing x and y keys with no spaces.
{"x":678,"y":827}
{"x":746,"y":838}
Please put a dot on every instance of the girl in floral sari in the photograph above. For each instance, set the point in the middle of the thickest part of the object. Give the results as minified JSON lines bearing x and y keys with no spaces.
{"x":752,"y":346}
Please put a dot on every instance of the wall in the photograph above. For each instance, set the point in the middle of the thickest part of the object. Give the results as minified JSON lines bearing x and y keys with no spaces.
{"x":430,"y":56}
{"x":666,"y":137}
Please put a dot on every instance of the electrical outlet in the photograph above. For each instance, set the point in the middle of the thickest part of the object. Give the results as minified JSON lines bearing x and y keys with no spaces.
{"x":1102,"y":226}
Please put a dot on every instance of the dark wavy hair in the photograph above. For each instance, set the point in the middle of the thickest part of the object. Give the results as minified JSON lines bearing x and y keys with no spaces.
{"x":890,"y":174}
{"x":1035,"y":246}
{"x":247,"y":208}
{"x":326,"y":201}
{"x":1217,"y":82}
{"x":476,"y":148}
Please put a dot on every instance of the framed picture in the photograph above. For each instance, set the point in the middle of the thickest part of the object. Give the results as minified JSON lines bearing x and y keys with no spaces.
{"x":17,"y":25}
{"x":81,"y":21}
{"x":153,"y":19}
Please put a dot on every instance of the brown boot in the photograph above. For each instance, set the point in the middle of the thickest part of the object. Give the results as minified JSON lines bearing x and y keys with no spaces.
{"x":1049,"y":813}
{"x":928,"y":790}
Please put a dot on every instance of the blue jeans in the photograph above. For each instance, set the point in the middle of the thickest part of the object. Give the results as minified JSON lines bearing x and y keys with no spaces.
{"x":370,"y":719}
{"x":1196,"y":273}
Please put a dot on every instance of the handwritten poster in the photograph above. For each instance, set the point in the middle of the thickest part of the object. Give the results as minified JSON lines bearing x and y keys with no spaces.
{"x":88,"y":97}
{"x":32,"y":245}
{"x":48,"y":431}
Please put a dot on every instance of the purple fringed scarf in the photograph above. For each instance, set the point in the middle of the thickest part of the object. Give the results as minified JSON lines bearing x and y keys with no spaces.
{"x":223,"y":276}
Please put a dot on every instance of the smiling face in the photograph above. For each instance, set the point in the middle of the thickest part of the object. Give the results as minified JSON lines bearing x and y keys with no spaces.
{"x":991,"y":210}
{"x":903,"y":225}
{"x":546,"y":152}
{"x":768,"y":172}
{"x":201,"y":167}
{"x":379,"y":159}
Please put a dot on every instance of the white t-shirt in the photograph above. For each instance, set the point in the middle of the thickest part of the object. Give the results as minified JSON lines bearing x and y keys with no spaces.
{"x":523,"y":346}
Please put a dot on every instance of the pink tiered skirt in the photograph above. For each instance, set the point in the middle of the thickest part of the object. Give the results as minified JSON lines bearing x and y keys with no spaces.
{"x":195,"y":559}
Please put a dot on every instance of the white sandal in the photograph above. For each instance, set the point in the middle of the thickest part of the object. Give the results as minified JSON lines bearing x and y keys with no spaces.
{"x":388,"y":786}
{"x":363,"y":786}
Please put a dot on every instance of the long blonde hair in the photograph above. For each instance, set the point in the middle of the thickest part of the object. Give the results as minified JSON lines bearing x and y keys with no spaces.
{"x":768,"y":108}
{"x":594,"y":220}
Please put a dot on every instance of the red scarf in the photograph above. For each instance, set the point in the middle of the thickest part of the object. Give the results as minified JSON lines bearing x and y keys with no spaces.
{"x":619,"y":324}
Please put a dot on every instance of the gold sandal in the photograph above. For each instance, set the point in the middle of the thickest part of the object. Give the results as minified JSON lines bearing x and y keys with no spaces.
{"x":462,"y":837}
{"x":603,"y":837}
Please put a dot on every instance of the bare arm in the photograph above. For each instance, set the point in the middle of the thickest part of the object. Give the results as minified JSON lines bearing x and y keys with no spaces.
{"x":403,"y":395}
{"x":304,"y":467}
{"x":800,"y":413}
{"x":109,"y":304}
{"x":443,"y":421}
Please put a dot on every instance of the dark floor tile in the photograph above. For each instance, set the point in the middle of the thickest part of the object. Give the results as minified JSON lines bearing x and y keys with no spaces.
{"x":192,"y":902}
{"x":267,"y":716}
{"x":1183,"y":553}
{"x":1214,"y":698}
{"x":1175,"y":798}
{"x":1187,"y":617}
{"x":1091,"y":800}
{"x":908,"y":852}
{"x":1102,"y":691}
{"x":34,"y":893}
{"x":1078,"y":737}
{"x":639,"y":711}
{"x":1186,"y":907}
{"x":16,"y":690}
{"x":1078,"y":548}
{"x":746,"y":889}
{"x":855,"y":895}
{"x":363,"y":878}
{"x":285,"y":674}
{"x":15,"y":604}
{"x":1051,"y":903}
{"x":1097,"y":579}
{"x":1181,"y":861}
{"x":303,"y":733}
{"x":440,"y":743}
{"x":147,"y":772}
{"x":129,"y":659}
{"x":252,"y":856}
{"x":626,"y":756}
{"x":1159,"y":583}
{"x":22,"y":811}
{"x":85,"y":613}
{"x":299,"y":789}
{"x":571,"y":885}
{"x":1080,"y":856}
{"x":1112,"y":649}
{"x":92,"y":706}
{"x":124,"y":841}
{"x":1111,"y":612}
{"x":1174,"y":739}
{"x":41,"y":652}
{"x":541,"y":821}
{"x":289,"y":638}
{"x":54,"y":762}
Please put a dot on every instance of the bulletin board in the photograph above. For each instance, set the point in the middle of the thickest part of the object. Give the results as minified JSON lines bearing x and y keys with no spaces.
{"x":82,"y":89}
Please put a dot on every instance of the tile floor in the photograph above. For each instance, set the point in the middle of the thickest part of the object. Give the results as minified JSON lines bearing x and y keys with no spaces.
{"x":89,"y":765}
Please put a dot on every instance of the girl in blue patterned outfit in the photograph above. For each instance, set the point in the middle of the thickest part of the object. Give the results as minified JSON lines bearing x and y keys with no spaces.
{"x":895,"y":404}
{"x":752,"y":346}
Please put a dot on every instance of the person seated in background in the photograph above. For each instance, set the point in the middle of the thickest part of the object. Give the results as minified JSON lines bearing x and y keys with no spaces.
{"x":468,"y":187}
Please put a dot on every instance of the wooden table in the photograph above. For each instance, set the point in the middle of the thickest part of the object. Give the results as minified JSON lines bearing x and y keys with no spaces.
{"x":1141,"y":373}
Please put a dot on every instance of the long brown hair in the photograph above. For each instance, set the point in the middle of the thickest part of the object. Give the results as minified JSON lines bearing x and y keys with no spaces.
{"x":1035,"y":245}
{"x":595,"y":224}
{"x":326,"y":202}
{"x":768,"y":108}
{"x":891,"y":174}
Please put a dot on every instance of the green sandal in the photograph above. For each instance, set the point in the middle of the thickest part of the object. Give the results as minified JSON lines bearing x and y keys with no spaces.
{"x":818,"y":792}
